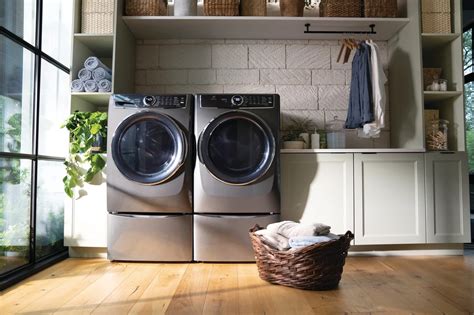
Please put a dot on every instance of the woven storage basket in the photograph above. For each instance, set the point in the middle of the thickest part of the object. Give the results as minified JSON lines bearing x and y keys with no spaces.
{"x":340,"y":8}
{"x":97,"y":16}
{"x":314,"y":267}
{"x":430,"y":74}
{"x":380,"y":8}
{"x":436,"y":16}
{"x":253,"y":7}
{"x":221,"y":7}
{"x":146,"y":7}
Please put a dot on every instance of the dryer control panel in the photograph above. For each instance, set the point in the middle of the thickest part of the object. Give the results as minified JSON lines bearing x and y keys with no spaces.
{"x":151,"y":101}
{"x":238,"y":100}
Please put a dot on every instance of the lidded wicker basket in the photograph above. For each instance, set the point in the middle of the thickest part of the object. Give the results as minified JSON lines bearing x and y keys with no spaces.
{"x":340,"y":8}
{"x":314,"y":267}
{"x":146,"y":7}
{"x":380,"y":8}
{"x":221,"y":7}
{"x":436,"y":16}
{"x":97,"y":17}
{"x":253,"y":7}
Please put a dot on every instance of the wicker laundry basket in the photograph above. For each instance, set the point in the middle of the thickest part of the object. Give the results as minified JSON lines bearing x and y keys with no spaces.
{"x":97,"y":16}
{"x":221,"y":7}
{"x":146,"y":7}
{"x":253,"y":7}
{"x":436,"y":16}
{"x":314,"y":267}
{"x":340,"y":8}
{"x":380,"y":8}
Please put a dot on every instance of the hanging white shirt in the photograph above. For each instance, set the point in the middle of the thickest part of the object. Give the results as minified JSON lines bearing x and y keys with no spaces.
{"x":378,"y":78}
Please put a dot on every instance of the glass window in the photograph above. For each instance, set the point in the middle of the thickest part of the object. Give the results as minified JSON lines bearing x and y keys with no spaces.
{"x":54,"y":109}
{"x":469,"y":100}
{"x":15,"y":193}
{"x":19,"y":16}
{"x":50,"y":208}
{"x":467,"y":51}
{"x":57,"y":25}
{"x":16,"y":97}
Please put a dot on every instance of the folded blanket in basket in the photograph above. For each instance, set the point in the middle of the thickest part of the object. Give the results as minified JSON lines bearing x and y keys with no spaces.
{"x":100,"y":74}
{"x":92,"y":63}
{"x":273,"y":239}
{"x":84,"y":74}
{"x":302,"y":241}
{"x":90,"y":86}
{"x":77,"y":86}
{"x":104,"y":85}
{"x":291,"y":229}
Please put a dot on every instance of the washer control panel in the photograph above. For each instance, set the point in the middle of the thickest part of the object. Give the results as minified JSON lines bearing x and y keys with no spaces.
{"x":237,"y":100}
{"x":151,"y":101}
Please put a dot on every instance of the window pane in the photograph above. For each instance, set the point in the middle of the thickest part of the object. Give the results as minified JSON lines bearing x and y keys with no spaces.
{"x":467,"y":51}
{"x":57,"y":25}
{"x":15,"y":193}
{"x":50,"y":208}
{"x":54,"y":109}
{"x":469,"y":105}
{"x":19,"y":17}
{"x":16,"y":97}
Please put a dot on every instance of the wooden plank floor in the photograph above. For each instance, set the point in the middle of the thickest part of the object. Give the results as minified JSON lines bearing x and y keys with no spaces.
{"x":429,"y":285}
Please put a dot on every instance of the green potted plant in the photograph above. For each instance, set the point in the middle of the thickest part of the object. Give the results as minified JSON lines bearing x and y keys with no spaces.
{"x":88,"y":132}
{"x":296,"y":132}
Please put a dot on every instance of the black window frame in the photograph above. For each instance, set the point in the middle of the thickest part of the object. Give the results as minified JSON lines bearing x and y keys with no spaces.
{"x":35,"y":264}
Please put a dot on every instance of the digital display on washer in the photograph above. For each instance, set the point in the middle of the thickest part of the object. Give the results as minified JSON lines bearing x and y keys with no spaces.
{"x":237,"y":100}
{"x":150,"y":101}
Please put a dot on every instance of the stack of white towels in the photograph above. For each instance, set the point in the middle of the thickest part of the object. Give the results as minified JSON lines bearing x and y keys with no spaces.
{"x":287,"y":235}
{"x":94,"y":77}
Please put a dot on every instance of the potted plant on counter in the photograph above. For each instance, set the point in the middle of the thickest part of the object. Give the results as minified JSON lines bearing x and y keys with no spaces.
{"x":88,"y":132}
{"x":296,"y":135}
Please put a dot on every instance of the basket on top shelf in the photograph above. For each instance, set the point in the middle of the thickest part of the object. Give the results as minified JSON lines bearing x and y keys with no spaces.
{"x":221,"y":7}
{"x":380,"y":8}
{"x":253,"y":7}
{"x":146,"y":7}
{"x":436,"y":16}
{"x":315,"y":267}
{"x":97,"y":17}
{"x":340,"y":8}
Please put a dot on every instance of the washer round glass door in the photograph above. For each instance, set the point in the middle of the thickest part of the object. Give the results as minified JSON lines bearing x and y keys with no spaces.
{"x":237,"y":148}
{"x":148,"y":147}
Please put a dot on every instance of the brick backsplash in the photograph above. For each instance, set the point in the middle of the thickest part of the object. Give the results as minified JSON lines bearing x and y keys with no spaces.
{"x":305,"y":73}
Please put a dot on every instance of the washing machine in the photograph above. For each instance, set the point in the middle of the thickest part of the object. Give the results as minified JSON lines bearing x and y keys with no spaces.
{"x":236,"y":178}
{"x":150,"y":164}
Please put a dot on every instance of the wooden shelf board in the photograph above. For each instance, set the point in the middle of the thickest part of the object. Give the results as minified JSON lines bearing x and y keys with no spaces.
{"x":431,"y":96}
{"x":253,"y":27}
{"x":100,"y":44}
{"x":433,"y":40}
{"x":98,"y":99}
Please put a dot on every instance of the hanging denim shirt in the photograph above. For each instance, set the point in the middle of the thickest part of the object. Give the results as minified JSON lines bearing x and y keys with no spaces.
{"x":360,"y":111}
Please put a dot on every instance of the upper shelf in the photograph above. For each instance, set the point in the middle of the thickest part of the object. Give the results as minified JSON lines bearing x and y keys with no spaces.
{"x":101,"y":45}
{"x":431,"y":41}
{"x":253,"y":27}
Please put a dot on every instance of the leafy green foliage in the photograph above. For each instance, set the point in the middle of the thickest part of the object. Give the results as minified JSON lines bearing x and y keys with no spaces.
{"x":297,"y":127}
{"x":84,"y":129}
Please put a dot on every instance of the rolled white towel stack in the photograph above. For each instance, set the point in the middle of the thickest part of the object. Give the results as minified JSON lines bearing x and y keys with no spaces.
{"x":95,"y":77}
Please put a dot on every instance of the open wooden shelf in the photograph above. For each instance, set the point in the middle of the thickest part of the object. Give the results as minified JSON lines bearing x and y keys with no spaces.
{"x":253,"y":27}
{"x":434,"y":40}
{"x":436,"y":96}
{"x":102,"y":45}
{"x":97,"y":98}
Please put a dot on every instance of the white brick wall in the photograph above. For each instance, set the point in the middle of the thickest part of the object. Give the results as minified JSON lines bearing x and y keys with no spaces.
{"x":305,"y":74}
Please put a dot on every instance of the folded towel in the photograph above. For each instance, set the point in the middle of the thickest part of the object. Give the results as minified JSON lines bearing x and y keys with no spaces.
{"x":77,"y":86}
{"x":84,"y":74}
{"x":302,"y":241}
{"x":92,"y":63}
{"x":291,"y":229}
{"x":273,"y":239}
{"x":100,"y":74}
{"x":90,"y":86}
{"x":104,"y":86}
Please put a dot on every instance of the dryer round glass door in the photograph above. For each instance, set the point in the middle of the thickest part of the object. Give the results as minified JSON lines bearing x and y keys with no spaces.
{"x":149,"y":147}
{"x":237,"y":148}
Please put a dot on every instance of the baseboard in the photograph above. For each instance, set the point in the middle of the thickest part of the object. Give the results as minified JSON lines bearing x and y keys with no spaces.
{"x":408,"y":250}
{"x":88,"y":252}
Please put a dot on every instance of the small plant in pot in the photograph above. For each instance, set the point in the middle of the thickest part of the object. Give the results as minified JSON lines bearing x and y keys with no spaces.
{"x":294,"y":7}
{"x":293,"y":138}
{"x":88,"y":132}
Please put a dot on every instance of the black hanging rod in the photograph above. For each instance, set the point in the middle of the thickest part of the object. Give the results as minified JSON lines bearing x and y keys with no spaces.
{"x":371,"y":32}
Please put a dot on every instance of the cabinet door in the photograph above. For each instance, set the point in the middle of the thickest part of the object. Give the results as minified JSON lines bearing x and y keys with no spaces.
{"x":447,"y":198}
{"x":389,"y":198}
{"x":318,"y":188}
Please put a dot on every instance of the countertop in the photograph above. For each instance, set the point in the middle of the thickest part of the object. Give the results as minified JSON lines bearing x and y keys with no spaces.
{"x":391,"y":150}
